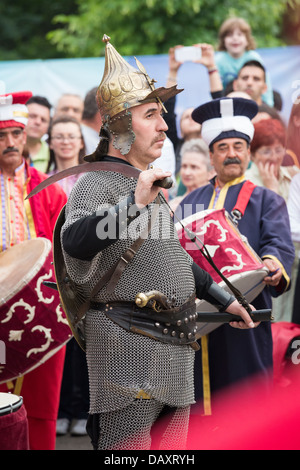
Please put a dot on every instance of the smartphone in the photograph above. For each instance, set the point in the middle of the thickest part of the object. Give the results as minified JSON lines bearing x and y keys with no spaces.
{"x":184,"y":54}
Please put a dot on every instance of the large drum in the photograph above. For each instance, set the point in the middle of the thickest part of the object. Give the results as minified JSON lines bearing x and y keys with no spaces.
{"x":9,"y":403}
{"x":13,"y":423}
{"x":229,"y":250}
{"x":33,"y":326}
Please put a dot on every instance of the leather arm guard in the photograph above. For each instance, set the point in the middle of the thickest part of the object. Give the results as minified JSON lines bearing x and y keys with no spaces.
{"x":218,"y":297}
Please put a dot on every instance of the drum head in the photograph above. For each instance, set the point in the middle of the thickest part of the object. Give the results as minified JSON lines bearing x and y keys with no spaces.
{"x":9,"y":403}
{"x":15,"y":263}
{"x":250,"y":284}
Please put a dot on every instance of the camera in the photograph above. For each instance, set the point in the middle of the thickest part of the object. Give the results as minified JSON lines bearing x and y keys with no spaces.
{"x":191,"y":53}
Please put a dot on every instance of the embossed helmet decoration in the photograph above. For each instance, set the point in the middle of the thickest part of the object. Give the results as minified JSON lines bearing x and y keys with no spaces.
{"x":122,"y":87}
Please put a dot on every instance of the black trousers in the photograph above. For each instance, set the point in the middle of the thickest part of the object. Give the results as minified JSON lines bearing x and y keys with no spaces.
{"x":74,"y":395}
{"x":296,"y":306}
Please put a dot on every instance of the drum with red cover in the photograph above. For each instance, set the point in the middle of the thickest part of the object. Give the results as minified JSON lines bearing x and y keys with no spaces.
{"x":230,"y":252}
{"x":33,"y":327}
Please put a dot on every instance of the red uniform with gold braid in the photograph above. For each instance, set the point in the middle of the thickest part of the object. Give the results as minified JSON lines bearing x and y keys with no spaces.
{"x":40,"y":388}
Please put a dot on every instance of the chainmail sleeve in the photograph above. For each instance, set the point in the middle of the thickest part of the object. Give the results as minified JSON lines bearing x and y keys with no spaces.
{"x":122,"y":363}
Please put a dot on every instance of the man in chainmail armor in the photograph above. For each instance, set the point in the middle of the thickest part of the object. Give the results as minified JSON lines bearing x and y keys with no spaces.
{"x":140,"y":358}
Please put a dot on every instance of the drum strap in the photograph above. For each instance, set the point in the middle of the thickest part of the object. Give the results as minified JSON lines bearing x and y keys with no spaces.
{"x":16,"y":386}
{"x":205,"y":376}
{"x":242,"y":201}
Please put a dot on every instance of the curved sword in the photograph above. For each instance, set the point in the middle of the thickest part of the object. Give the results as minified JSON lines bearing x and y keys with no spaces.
{"x":123,"y":168}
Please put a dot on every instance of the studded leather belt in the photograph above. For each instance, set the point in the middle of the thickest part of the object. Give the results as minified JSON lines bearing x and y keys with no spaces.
{"x":176,"y":326}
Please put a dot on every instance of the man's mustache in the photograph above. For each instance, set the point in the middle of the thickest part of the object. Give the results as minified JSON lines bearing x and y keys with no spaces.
{"x":230,"y":161}
{"x":162,"y":136}
{"x":10,"y":149}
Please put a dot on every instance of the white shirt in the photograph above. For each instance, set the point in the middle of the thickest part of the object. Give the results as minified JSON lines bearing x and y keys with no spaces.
{"x":167,"y":159}
{"x":293,"y":206}
{"x":91,"y":139}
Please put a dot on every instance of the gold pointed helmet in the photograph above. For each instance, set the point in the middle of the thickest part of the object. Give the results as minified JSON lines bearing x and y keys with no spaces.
{"x":122,"y":87}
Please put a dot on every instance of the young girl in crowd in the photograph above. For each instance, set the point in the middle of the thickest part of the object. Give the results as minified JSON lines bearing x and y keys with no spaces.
{"x":236,"y":47}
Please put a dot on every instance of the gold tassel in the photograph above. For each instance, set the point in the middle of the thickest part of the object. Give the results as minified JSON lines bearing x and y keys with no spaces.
{"x":205,"y":376}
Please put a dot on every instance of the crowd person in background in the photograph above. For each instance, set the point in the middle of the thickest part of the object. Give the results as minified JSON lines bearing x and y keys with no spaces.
{"x":293,"y":134}
{"x":70,"y":104}
{"x":235,"y":356}
{"x":294,"y":214}
{"x":24,"y":220}
{"x":195,"y":170}
{"x":236,"y":47}
{"x":267,"y":153}
{"x":67,"y":150}
{"x":250,"y":87}
{"x":278,"y":101}
{"x":251,"y":78}
{"x":39,"y":110}
{"x":266,"y":112}
{"x":91,"y":121}
{"x":189,"y":129}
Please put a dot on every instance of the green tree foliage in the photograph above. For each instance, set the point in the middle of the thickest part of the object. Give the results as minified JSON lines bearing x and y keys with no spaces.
{"x":152,"y":26}
{"x":24,"y":25}
{"x":40,"y":29}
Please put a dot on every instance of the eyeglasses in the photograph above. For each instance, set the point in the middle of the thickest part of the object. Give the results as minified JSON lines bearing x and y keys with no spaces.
{"x":61,"y":138}
{"x":268,"y":152}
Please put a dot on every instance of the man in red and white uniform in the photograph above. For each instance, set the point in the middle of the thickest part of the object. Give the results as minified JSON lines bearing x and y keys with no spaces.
{"x":24,"y":220}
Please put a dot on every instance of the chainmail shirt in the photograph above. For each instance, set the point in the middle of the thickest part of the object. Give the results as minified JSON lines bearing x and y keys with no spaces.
{"x":122,"y":363}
